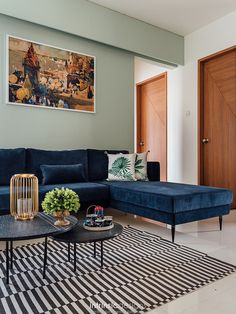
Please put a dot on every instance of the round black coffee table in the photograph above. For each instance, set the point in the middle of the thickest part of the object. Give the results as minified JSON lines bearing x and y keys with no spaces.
{"x":80,"y":235}
{"x":42,"y":226}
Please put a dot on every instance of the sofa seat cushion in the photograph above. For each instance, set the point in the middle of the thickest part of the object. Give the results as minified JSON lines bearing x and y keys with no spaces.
{"x":168,"y":197}
{"x":37,"y":157}
{"x":12,"y":161}
{"x":87,"y":191}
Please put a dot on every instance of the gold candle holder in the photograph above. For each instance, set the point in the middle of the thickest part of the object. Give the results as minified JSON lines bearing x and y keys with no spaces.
{"x":24,"y":204}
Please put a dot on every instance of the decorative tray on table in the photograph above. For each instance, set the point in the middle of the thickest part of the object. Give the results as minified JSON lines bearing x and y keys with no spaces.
{"x":96,"y":221}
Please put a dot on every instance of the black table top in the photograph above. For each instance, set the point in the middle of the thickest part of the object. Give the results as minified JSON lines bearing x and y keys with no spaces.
{"x":81,"y":235}
{"x":39,"y":227}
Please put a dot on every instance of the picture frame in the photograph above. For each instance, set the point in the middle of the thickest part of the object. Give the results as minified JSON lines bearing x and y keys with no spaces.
{"x":45,"y":76}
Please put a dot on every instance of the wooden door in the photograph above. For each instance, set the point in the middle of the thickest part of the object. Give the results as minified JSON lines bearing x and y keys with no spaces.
{"x":218,"y":120}
{"x":152,"y":120}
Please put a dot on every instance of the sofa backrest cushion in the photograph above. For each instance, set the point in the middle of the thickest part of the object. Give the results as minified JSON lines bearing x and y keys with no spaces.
{"x":153,"y":170}
{"x":98,"y":163}
{"x":12,"y":161}
{"x":37,"y":157}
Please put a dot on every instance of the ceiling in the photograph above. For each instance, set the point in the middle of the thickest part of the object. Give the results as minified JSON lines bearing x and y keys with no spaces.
{"x":179,"y":16}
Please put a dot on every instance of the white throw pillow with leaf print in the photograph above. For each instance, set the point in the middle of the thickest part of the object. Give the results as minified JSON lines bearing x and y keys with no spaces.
{"x":141,"y":167}
{"x":121,"y":167}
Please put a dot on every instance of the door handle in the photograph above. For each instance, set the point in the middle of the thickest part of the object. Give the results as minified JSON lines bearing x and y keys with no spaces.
{"x":141,"y":143}
{"x":205,"y":141}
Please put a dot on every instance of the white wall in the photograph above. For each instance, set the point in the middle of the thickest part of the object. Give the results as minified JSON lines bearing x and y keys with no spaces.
{"x":183,"y":97}
{"x":212,"y":38}
{"x":145,"y":69}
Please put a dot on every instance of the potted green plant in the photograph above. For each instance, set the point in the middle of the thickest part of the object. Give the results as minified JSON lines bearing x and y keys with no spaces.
{"x":59,"y":203}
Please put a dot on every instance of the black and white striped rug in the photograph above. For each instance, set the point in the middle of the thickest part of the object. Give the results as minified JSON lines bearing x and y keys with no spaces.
{"x":141,"y":271}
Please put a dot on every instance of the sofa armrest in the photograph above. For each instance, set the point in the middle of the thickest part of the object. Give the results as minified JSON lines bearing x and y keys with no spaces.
{"x":153,"y":170}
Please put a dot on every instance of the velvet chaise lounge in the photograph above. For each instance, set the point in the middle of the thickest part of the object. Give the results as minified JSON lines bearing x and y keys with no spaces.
{"x":170,"y":203}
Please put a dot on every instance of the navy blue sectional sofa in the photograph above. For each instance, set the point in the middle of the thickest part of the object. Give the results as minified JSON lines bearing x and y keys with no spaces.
{"x":171,"y":203}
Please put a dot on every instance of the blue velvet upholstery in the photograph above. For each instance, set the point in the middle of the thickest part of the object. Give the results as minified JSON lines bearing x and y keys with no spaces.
{"x":36,"y":157}
{"x":4,"y":198}
{"x":53,"y":174}
{"x":98,"y":163}
{"x":171,"y":218}
{"x":201,"y":213}
{"x":12,"y":161}
{"x":169,"y":197}
{"x":87,"y":191}
{"x":153,"y":170}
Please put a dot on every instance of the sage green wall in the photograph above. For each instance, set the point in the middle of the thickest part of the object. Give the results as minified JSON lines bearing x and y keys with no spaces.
{"x":92,"y":21}
{"x":110,"y":127}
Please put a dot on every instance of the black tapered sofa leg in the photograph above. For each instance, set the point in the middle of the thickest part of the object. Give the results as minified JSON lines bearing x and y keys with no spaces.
{"x":220,"y":221}
{"x":173,"y":233}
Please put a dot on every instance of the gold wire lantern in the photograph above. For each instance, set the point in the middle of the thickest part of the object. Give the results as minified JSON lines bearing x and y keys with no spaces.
{"x":24,"y":204}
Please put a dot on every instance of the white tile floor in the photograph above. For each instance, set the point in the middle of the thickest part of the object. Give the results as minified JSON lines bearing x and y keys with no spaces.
{"x":205,"y":236}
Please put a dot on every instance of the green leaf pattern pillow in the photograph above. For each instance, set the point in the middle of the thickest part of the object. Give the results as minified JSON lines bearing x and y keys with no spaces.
{"x":121,"y":167}
{"x":141,"y":167}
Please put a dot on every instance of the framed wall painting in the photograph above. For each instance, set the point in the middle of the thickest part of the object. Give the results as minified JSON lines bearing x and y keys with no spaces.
{"x":45,"y":76}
